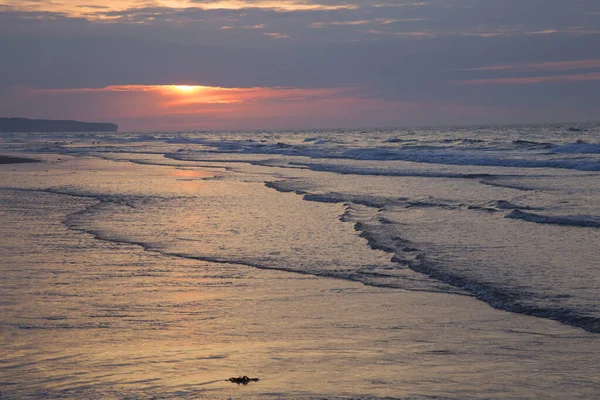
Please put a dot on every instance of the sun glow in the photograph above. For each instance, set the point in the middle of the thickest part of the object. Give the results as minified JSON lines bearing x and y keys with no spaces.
{"x":185,"y":88}
{"x":185,"y":106}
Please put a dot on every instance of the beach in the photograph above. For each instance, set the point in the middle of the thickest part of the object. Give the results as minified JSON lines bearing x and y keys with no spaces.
{"x":299,"y":200}
{"x":127,"y":274}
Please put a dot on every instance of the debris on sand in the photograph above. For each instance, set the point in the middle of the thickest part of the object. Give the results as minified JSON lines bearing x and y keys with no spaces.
{"x":242,"y":380}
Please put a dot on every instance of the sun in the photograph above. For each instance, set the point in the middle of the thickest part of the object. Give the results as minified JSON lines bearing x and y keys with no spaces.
{"x":185,"y":88}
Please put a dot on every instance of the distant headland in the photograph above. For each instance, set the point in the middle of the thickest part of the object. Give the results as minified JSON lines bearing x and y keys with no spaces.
{"x":50,"y":125}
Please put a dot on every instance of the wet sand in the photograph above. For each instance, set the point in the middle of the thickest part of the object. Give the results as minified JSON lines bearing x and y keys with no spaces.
{"x":86,"y":318}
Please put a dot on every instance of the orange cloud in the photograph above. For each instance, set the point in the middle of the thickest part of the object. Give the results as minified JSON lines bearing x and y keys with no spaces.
{"x":198,"y":103}
{"x":184,"y":107}
{"x":276,"y":35}
{"x":376,"y":21}
{"x":193,"y":94}
{"x":98,"y":9}
{"x":542,"y":32}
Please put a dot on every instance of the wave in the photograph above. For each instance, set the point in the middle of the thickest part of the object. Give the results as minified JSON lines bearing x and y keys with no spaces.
{"x":382,"y":234}
{"x":586,"y":221}
{"x":500,"y":205}
{"x":519,"y":153}
{"x":344,"y":169}
{"x":353,"y":170}
{"x":507,"y":205}
{"x":456,"y":158}
{"x":399,"y":140}
{"x":504,"y":299}
{"x":376,"y":202}
{"x":379,"y":273}
{"x":579,"y":147}
{"x":529,"y":144}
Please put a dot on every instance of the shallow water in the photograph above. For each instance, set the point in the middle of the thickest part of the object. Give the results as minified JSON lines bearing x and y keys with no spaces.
{"x":331,"y":264}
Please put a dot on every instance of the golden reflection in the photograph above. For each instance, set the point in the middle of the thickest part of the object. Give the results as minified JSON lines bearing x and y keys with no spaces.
{"x":188,"y":173}
{"x":190,"y":181}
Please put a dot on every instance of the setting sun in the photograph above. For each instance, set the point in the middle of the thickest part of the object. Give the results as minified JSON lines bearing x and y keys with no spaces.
{"x":185,"y":88}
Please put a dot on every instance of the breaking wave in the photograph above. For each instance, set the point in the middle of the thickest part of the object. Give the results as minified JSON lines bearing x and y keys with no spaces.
{"x":586,"y":221}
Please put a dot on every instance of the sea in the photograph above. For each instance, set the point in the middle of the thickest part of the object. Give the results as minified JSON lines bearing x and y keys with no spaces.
{"x":398,"y":263}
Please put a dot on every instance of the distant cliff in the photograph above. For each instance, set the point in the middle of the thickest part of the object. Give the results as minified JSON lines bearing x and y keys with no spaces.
{"x":50,"y":125}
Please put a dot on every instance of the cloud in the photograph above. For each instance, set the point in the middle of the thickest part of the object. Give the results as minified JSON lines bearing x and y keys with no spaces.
{"x":137,"y":102}
{"x":545,"y":66}
{"x":376,"y":21}
{"x":277,"y":35}
{"x":542,"y":32}
{"x":592,"y":76}
{"x":402,"y":51}
{"x":101,"y":9}
{"x":156,"y":107}
{"x":536,"y":67}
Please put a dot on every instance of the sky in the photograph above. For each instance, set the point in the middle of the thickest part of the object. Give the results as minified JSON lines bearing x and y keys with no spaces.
{"x":164,"y":65}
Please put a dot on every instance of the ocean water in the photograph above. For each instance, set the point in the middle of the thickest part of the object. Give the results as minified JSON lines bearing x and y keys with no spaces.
{"x":447,"y":262}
